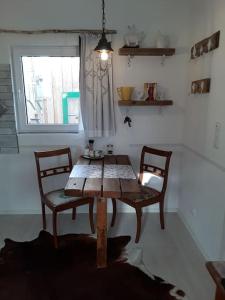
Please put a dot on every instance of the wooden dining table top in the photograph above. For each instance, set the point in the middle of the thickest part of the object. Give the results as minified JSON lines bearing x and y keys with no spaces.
{"x":110,"y":177}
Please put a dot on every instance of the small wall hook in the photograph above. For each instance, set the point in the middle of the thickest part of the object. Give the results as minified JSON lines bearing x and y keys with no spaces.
{"x":127,"y":120}
{"x":130,"y":57}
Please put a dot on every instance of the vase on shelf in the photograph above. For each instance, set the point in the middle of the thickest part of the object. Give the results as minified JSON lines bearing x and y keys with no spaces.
{"x":161,"y":40}
{"x":151,"y":91}
{"x":133,"y":38}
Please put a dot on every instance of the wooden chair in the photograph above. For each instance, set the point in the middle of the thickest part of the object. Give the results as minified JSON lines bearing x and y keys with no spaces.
{"x":150,"y":195}
{"x":55,"y":200}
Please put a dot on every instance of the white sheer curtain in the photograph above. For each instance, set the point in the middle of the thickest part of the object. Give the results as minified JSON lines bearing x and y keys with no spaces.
{"x":96,"y":90}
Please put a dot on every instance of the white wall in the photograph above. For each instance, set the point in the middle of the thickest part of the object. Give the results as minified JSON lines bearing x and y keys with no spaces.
{"x":202,"y":176}
{"x":202,"y":204}
{"x":150,"y":126}
{"x":191,"y":121}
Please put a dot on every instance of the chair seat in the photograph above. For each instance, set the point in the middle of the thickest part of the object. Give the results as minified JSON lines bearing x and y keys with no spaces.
{"x":149,"y":192}
{"x":57,"y":198}
{"x":146,"y":193}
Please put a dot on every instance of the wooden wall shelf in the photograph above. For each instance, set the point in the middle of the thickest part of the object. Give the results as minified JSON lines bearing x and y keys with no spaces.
{"x":147,"y":51}
{"x":145,"y":103}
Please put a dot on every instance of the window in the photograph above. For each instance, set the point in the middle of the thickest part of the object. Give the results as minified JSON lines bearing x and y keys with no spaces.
{"x":46,"y":84}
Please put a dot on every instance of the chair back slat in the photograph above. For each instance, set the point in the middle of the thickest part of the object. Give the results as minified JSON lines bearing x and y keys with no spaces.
{"x":51,"y":153}
{"x":154,"y":151}
{"x":54,"y":170}
{"x":155,"y":170}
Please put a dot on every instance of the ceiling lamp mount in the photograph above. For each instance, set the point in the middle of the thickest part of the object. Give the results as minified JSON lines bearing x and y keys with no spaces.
{"x":104,"y":47}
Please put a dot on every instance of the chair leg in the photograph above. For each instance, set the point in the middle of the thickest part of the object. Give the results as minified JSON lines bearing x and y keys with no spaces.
{"x":55,"y":229}
{"x":114,"y":212}
{"x":161,"y":211}
{"x":74,"y":213}
{"x":138,"y":215}
{"x":43,"y":215}
{"x":91,"y":216}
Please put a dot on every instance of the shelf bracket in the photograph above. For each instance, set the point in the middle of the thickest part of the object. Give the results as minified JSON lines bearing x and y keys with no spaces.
{"x":163,"y":59}
{"x":130,"y":57}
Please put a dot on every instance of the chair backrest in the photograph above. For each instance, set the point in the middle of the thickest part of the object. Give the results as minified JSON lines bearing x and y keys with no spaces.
{"x":54,"y":170}
{"x":155,"y":170}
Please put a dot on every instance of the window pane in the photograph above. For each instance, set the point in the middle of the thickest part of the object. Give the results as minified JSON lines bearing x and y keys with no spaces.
{"x":51,"y":90}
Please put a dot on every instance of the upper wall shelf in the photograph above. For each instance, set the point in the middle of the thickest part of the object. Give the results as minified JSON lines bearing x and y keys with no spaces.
{"x":147,"y":51}
{"x":145,"y":103}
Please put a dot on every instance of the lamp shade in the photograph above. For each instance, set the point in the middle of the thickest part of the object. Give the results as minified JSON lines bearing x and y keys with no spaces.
{"x":103,"y":45}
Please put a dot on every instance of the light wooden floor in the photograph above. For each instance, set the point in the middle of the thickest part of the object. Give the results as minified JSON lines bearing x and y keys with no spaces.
{"x":170,"y":254}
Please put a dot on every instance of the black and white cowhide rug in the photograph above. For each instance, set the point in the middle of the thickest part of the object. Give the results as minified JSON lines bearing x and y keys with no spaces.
{"x":36,"y":271}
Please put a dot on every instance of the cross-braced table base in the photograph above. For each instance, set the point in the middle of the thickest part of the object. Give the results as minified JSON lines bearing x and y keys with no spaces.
{"x":111,"y":177}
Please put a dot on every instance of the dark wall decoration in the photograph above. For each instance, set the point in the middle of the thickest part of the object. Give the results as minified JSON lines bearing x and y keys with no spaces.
{"x":206,"y":45}
{"x":201,"y":86}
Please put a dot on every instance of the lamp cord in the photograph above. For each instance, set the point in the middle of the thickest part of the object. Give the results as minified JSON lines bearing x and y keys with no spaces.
{"x":103,"y":16}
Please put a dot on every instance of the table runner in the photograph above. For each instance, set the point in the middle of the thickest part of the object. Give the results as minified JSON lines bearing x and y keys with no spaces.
{"x":110,"y":171}
{"x":86,"y":171}
{"x":119,"y":171}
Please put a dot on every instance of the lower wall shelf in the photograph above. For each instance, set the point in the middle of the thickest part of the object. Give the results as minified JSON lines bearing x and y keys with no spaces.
{"x":145,"y":103}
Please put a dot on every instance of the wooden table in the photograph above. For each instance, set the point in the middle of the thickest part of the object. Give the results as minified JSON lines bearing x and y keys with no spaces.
{"x":102,"y":188}
{"x":217,"y":271}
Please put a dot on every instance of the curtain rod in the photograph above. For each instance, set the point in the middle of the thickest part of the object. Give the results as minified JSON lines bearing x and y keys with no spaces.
{"x":44,"y":31}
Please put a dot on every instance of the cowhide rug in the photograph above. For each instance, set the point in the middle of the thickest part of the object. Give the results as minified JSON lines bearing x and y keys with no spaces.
{"x":36,"y":271}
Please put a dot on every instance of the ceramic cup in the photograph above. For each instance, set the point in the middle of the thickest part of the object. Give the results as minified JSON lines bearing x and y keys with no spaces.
{"x":138,"y":94}
{"x":125,"y":92}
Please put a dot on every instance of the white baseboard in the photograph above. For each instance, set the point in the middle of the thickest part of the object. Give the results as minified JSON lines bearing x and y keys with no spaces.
{"x":33,"y":212}
{"x":156,"y":210}
{"x":20,"y":212}
{"x":38,"y":212}
{"x":193,"y":235}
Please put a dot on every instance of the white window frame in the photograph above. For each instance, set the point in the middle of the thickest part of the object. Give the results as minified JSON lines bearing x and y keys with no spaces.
{"x":19,"y":92}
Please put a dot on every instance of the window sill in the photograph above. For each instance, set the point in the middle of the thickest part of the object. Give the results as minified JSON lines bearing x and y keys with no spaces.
{"x":50,"y":139}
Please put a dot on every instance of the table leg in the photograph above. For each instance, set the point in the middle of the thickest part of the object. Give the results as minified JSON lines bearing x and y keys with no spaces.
{"x":101,"y":232}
